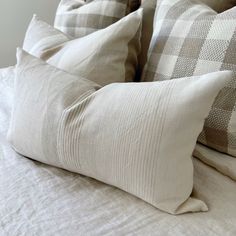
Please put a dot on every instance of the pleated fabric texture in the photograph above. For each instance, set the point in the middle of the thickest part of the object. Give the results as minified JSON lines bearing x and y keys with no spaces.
{"x":79,"y":18}
{"x":191,"y":39}
{"x":106,"y":56}
{"x":138,"y":137}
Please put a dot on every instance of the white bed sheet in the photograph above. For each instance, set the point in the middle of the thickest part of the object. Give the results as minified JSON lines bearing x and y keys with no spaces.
{"x":36,"y":199}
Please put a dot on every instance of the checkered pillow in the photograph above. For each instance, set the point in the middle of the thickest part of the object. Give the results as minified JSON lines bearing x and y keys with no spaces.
{"x":79,"y":18}
{"x":191,"y":39}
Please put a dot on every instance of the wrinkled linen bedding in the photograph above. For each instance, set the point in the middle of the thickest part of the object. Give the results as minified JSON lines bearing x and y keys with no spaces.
{"x":36,"y":199}
{"x":224,"y":163}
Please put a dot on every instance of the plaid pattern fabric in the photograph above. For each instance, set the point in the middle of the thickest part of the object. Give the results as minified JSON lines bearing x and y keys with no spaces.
{"x":79,"y":18}
{"x":191,"y":39}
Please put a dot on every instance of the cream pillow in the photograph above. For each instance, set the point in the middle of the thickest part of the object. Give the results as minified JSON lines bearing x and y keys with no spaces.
{"x":138,"y":137}
{"x":106,"y":56}
{"x":79,"y":18}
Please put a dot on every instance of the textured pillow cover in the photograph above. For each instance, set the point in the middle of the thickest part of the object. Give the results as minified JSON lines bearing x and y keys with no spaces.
{"x":106,"y":56}
{"x":191,"y":39}
{"x":136,"y":136}
{"x":147,"y":25}
{"x":79,"y":18}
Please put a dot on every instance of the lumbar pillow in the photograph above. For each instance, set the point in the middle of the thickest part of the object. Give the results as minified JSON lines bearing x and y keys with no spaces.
{"x":106,"y":56}
{"x":79,"y":18}
{"x":136,"y":136}
{"x":191,"y":39}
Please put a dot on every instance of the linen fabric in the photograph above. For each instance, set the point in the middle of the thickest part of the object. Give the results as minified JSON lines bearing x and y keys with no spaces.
{"x":36,"y":193}
{"x":79,"y":18}
{"x":191,"y":39}
{"x":224,"y":163}
{"x":106,"y":56}
{"x":124,"y":134}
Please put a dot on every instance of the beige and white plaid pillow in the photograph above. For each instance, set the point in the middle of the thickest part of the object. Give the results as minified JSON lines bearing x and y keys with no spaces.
{"x":191,"y":39}
{"x":138,"y":137}
{"x":105,"y":56}
{"x":78,"y":18}
{"x":147,"y":27}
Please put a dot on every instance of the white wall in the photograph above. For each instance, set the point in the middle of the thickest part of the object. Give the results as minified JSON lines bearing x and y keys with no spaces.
{"x":15,"y":16}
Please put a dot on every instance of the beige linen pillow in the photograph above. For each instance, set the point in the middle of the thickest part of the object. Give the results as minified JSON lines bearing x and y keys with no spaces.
{"x":191,"y":39}
{"x":138,"y":137}
{"x":106,"y":56}
{"x":79,"y":18}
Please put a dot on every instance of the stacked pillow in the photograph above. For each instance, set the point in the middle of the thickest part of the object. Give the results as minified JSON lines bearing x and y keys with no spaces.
{"x":71,"y":109}
{"x":148,"y":15}
{"x":191,"y":39}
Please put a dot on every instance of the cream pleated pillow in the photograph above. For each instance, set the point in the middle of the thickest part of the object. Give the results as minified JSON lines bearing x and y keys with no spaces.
{"x":105,"y":56}
{"x":138,"y":137}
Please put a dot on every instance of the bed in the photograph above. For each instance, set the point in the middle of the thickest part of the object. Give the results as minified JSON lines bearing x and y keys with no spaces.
{"x":36,"y":199}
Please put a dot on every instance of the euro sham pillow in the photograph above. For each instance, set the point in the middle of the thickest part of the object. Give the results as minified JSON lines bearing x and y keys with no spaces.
{"x":138,"y":137}
{"x":223,"y":163}
{"x":79,"y":18}
{"x":106,"y":56}
{"x":191,"y":39}
{"x":147,"y":25}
